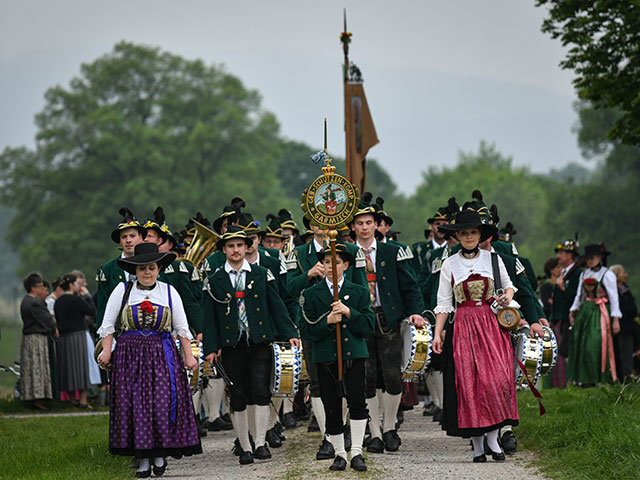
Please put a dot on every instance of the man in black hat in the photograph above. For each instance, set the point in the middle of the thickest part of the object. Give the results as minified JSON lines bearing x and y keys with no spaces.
{"x":243,"y":314}
{"x":127,"y":234}
{"x":395,"y":295}
{"x":434,"y":238}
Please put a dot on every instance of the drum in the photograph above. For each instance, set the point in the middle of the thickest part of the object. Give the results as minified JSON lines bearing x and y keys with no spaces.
{"x":287,"y":366}
{"x":529,"y":351}
{"x":195,"y":377}
{"x":416,"y":350}
{"x":549,"y":351}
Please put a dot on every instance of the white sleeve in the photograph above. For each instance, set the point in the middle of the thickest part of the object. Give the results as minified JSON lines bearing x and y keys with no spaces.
{"x":577,"y":301}
{"x":445,"y":290}
{"x":111,"y":311}
{"x":504,"y":276}
{"x":178,"y":316}
{"x":610,"y":283}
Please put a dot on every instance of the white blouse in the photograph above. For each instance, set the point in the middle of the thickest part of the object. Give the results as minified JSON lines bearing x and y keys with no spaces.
{"x":609,"y":282}
{"x":460,"y":268}
{"x":159,"y":295}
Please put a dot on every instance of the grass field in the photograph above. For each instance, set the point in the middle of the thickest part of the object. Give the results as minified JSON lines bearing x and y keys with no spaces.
{"x":591,"y":433}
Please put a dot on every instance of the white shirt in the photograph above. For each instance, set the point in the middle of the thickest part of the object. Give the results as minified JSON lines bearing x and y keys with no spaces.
{"x":233,"y":275}
{"x":610,"y":284}
{"x":436,"y":244}
{"x":330,"y":284}
{"x":159,"y":295}
{"x":372,"y":254}
{"x":318,"y":246}
{"x":564,"y":271}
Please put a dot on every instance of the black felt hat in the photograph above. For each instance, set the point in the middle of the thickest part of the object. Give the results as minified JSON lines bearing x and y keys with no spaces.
{"x":341,"y":249}
{"x":144,"y":254}
{"x":286,"y":220}
{"x":129,"y":220}
{"x":446,"y":213}
{"x":596,"y":249}
{"x":568,"y":246}
{"x":232,"y":233}
{"x":247,"y":223}
{"x":379,"y":206}
{"x":365,"y":207}
{"x":467,"y":219}
{"x":158,"y":224}
{"x":507,"y":233}
{"x":274,"y":227}
{"x":231,"y":212}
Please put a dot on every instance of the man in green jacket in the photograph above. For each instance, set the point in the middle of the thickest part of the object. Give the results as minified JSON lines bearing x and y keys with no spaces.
{"x":319,"y":318}
{"x":243,"y":314}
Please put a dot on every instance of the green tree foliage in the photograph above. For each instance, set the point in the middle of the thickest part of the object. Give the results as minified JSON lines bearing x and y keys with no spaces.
{"x":603,"y":38}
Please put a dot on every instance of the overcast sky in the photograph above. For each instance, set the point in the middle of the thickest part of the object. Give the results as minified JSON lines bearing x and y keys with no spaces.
{"x":440,"y":76}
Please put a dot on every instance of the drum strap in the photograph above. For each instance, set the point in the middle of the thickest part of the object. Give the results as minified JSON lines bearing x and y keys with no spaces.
{"x":532,"y":387}
{"x":497,"y":282}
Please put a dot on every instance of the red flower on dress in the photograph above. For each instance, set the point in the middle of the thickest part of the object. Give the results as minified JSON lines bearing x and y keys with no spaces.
{"x":146,"y":307}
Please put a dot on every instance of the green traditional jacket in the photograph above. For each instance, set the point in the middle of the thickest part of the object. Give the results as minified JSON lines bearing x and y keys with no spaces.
{"x":420,"y":251}
{"x":429,"y":275}
{"x":279,"y":270}
{"x":186,"y":280}
{"x":304,"y":257}
{"x":511,"y":250}
{"x":315,"y":305}
{"x":562,"y":301}
{"x":399,"y":292}
{"x":108,"y":277}
{"x":217,"y":259}
{"x":266,"y":313}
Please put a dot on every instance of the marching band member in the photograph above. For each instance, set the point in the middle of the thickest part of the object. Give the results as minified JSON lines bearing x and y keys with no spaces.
{"x":480,"y":394}
{"x":394,"y":295}
{"x":319,"y":318}
{"x":243,"y":314}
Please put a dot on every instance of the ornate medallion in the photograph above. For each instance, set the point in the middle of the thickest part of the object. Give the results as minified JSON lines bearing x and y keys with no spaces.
{"x":331,"y":201}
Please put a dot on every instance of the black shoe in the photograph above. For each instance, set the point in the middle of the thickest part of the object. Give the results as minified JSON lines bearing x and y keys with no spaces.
{"x":357,"y":463}
{"x":391,"y":441}
{"x":237,"y":449}
{"x":395,"y":434}
{"x":375,"y":446}
{"x":159,"y":471}
{"x":326,"y":451}
{"x":480,"y":459}
{"x":219,"y":425}
{"x":437,"y":416}
{"x":497,"y":457}
{"x":273,"y":439}
{"x":400,"y":417}
{"x":430,"y":409}
{"x":313,"y":425}
{"x":289,"y":420}
{"x":347,"y":438}
{"x":279,"y":429}
{"x":202,"y":430}
{"x":226,"y":417}
{"x":143,"y":474}
{"x":262,"y":452}
{"x":245,"y":457}
{"x":509,"y":443}
{"x":338,"y":464}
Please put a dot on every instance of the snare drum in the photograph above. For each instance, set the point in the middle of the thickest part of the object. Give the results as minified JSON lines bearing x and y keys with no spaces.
{"x":529,"y":351}
{"x":416,"y":350}
{"x":196,"y":376}
{"x":549,"y":351}
{"x":287,"y":366}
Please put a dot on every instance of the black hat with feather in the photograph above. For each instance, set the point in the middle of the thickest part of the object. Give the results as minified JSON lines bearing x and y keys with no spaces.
{"x":129,"y":220}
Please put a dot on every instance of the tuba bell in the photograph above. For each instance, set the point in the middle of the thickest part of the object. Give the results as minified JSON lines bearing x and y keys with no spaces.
{"x":202,"y":245}
{"x":288,"y":246}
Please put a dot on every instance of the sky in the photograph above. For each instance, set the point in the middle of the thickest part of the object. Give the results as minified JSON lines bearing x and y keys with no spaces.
{"x":440,"y":76}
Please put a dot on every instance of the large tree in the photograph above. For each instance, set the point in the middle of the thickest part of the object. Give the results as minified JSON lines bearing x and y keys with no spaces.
{"x":603,"y":37}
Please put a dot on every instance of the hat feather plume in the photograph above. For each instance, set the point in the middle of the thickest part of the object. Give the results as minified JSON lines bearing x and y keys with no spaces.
{"x":477,"y":194}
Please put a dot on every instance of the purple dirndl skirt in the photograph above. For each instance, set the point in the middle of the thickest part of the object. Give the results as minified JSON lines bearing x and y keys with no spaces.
{"x":147,"y":417}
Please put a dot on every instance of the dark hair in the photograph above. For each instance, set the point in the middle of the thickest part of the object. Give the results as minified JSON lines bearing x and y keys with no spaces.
{"x":32,"y":280}
{"x":56,"y":283}
{"x":550,"y":265}
{"x":345,"y":258}
{"x":66,"y":281}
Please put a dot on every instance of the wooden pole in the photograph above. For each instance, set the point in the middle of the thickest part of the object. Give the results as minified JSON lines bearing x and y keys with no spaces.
{"x":347,"y":104}
{"x":334,"y":275}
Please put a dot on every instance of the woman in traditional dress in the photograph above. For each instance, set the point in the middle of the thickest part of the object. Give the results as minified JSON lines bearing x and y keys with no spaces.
{"x":479,"y":386}
{"x":594,"y":319}
{"x":151,"y":411}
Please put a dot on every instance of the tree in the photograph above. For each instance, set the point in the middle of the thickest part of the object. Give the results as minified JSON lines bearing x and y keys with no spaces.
{"x":603,"y":37}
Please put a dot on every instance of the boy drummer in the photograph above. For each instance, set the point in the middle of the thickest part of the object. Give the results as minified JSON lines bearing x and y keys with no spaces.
{"x":243,"y":313}
{"x":319,"y":318}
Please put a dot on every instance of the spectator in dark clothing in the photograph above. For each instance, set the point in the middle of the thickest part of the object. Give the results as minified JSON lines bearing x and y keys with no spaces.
{"x":624,"y":339}
{"x":74,"y":355}
{"x":37,"y":364}
{"x":552,"y":269}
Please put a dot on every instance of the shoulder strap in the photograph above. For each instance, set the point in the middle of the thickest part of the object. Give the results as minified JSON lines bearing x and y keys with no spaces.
{"x":169,"y":293}
{"x":497,"y":282}
{"x":127,"y":291}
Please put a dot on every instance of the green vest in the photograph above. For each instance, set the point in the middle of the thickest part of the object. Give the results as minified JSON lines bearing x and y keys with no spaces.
{"x":315,"y":305}
{"x":184,"y":277}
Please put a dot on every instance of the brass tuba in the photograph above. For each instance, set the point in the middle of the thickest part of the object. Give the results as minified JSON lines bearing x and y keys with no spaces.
{"x":288,"y":246}
{"x":202,"y":245}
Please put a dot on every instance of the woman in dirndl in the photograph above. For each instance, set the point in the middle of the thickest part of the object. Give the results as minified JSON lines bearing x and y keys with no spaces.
{"x":151,"y":411}
{"x":479,"y":385}
{"x":594,"y":318}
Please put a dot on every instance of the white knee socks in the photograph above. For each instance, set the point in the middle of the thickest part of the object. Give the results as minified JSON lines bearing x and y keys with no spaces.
{"x":391,"y":404}
{"x":318,"y":411}
{"x":492,"y":441}
{"x":287,"y":405}
{"x":251,"y":418}
{"x":374,"y":423}
{"x":478,"y":445}
{"x":262,"y":423}
{"x":358,"y":428}
{"x":338,"y":444}
{"x":213,"y":393}
{"x":345,"y":411}
{"x":241,"y":426}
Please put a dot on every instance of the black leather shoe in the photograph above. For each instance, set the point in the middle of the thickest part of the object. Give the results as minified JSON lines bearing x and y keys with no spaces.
{"x":437,"y":416}
{"x":391,"y":441}
{"x":143,"y":474}
{"x":497,"y":457}
{"x":159,"y":471}
{"x":226,"y":417}
{"x":395,"y":434}
{"x":237,"y":449}
{"x":313,"y":425}
{"x":326,"y":451}
{"x":289,"y":420}
{"x":219,"y":425}
{"x":262,"y":452}
{"x":338,"y":464}
{"x":202,"y":430}
{"x":273,"y":439}
{"x":245,"y":457}
{"x":429,"y":410}
{"x":375,"y":446}
{"x":357,"y":463}
{"x":279,"y":429}
{"x":480,"y":459}
{"x":509,"y":443}
{"x":347,"y":438}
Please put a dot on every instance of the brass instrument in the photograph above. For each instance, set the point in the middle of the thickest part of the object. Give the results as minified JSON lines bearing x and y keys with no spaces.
{"x":203,"y":244}
{"x":288,"y":246}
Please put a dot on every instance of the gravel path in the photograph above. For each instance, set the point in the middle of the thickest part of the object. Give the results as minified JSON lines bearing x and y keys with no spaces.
{"x":426,"y":452}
